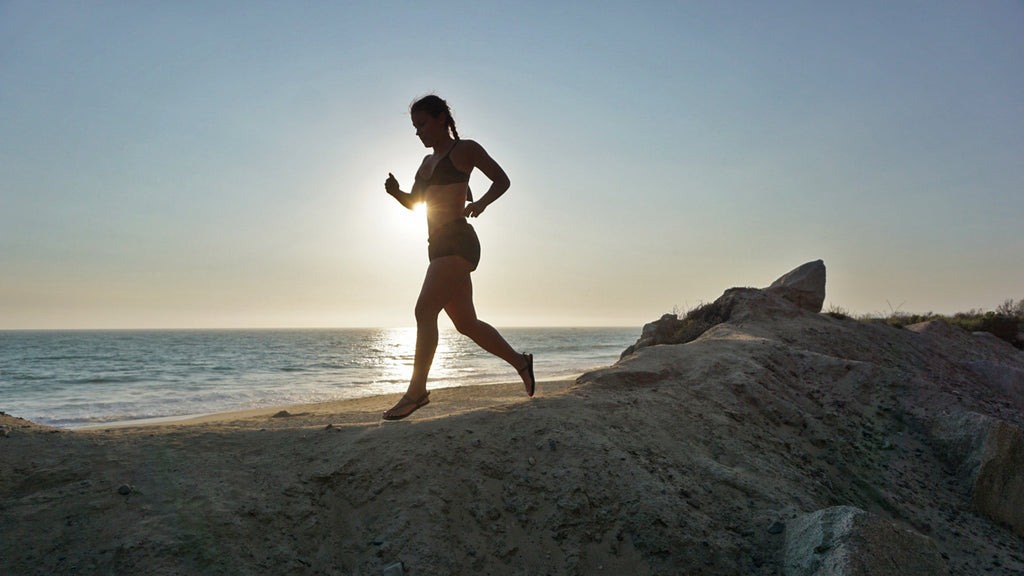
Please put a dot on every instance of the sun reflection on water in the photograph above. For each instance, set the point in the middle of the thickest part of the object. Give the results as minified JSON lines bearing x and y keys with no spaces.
{"x":398,"y":353}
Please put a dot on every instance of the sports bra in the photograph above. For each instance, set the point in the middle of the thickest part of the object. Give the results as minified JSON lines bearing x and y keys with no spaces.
{"x":445,"y":172}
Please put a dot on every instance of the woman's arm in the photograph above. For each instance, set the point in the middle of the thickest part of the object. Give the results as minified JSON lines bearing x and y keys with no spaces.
{"x":499,"y":180}
{"x":408,"y":200}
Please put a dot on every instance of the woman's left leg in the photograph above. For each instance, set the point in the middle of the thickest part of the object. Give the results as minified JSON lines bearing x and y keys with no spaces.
{"x":443,"y":277}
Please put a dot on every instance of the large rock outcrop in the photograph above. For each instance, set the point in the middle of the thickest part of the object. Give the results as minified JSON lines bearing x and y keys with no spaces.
{"x":988,"y":454}
{"x":803,"y":286}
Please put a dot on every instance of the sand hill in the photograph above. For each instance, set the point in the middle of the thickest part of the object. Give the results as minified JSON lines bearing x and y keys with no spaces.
{"x":780,"y":441}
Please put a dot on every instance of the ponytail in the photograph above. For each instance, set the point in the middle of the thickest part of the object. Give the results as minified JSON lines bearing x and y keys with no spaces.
{"x":451,"y":126}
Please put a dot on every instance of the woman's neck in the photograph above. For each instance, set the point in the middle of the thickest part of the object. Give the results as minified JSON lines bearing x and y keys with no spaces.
{"x":443,"y":144}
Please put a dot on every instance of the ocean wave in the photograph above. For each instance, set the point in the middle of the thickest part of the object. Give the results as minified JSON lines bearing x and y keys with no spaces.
{"x":105,"y":380}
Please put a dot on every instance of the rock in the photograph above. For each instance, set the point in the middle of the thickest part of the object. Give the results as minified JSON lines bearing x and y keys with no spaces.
{"x":938,"y":328}
{"x":847,"y":541}
{"x":661,"y":328}
{"x":658,"y":332}
{"x":125,"y":489}
{"x":282,"y":414}
{"x":1005,"y":380}
{"x":803,"y":286}
{"x":989,"y":454}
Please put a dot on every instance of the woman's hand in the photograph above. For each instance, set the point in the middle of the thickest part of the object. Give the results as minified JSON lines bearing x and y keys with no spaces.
{"x":391,"y":185}
{"x":474,"y":209}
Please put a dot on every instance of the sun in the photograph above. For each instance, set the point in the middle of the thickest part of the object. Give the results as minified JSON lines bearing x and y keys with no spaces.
{"x":409,"y":223}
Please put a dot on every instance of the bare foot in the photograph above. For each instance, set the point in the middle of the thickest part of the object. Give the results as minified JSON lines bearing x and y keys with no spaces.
{"x":406,"y":406}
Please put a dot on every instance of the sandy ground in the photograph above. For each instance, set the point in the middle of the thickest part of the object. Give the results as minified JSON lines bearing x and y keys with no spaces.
{"x":685,"y":459}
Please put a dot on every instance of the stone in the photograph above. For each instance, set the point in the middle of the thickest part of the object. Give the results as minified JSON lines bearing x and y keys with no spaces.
{"x":848,"y":541}
{"x":989,"y":454}
{"x":1003,"y":379}
{"x":657,"y":329}
{"x":658,"y":332}
{"x":803,"y":286}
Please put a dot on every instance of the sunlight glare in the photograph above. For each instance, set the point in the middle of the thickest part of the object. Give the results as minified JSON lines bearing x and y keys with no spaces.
{"x":399,"y":345}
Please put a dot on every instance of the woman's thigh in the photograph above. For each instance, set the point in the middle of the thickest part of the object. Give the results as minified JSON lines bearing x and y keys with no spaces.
{"x":460,"y":306}
{"x":445,"y":279}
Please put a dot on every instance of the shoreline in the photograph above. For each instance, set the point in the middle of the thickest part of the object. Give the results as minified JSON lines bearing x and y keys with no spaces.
{"x":445,"y":401}
{"x":88,"y":381}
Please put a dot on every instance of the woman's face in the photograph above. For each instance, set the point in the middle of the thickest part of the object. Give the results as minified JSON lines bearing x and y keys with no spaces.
{"x":430,"y":130}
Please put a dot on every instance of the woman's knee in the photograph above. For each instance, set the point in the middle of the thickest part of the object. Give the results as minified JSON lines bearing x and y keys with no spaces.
{"x":426,"y":311}
{"x":465,"y":325}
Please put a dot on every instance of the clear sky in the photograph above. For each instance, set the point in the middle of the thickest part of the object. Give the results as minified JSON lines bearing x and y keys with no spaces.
{"x":221,"y":164}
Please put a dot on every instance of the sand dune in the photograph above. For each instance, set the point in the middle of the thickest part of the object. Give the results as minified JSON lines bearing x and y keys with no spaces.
{"x":781,"y":441}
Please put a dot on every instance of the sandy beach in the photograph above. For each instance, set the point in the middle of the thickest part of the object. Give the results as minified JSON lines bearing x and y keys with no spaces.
{"x":780,"y":441}
{"x":89,"y":501}
{"x":360,"y":411}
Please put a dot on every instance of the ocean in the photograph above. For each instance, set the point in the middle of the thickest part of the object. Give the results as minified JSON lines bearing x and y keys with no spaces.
{"x":85,"y":378}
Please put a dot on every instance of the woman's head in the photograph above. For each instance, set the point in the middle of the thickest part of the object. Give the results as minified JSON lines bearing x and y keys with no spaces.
{"x":432,"y":110}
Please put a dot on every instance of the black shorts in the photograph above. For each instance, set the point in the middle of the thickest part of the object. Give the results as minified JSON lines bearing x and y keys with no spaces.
{"x":456,"y":238}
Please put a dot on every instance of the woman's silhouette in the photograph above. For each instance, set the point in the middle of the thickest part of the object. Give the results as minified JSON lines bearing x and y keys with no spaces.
{"x":442,"y":182}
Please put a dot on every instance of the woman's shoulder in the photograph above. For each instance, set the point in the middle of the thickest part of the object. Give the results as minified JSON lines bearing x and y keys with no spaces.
{"x":468,"y":148}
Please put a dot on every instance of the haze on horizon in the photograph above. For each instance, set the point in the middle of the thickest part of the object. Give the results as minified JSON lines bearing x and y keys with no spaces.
{"x":221,"y":164}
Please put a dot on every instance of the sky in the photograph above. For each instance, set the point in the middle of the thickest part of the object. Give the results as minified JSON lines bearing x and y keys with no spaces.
{"x":221,"y":164}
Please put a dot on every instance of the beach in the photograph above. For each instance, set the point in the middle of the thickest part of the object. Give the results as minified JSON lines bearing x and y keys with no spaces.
{"x":132,"y":487}
{"x":293,"y":489}
{"x":359,"y":411}
{"x":776,"y":442}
